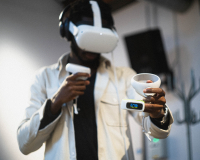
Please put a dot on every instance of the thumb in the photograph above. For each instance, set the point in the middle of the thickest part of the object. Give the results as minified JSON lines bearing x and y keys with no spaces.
{"x":149,"y":81}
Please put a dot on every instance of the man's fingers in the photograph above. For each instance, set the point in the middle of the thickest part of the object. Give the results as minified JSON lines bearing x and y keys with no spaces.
{"x":149,"y":99}
{"x":149,"y":81}
{"x":154,"y":104}
{"x":152,"y":107}
{"x":77,"y":75}
{"x":77,"y":88}
{"x":75,"y":93}
{"x":155,"y":100}
{"x":78,"y":82}
{"x":81,"y":82}
{"x":154,"y":90}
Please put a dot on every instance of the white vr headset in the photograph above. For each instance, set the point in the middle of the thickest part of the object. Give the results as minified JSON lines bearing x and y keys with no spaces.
{"x":92,"y":38}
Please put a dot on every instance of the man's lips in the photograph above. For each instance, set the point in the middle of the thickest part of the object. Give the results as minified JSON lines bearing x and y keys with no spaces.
{"x":90,"y":56}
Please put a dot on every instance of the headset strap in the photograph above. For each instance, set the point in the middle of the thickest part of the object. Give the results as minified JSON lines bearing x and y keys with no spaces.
{"x":73,"y":29}
{"x":96,"y":14}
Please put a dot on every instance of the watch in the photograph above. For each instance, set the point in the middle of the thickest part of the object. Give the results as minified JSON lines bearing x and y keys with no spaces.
{"x":165,"y":117}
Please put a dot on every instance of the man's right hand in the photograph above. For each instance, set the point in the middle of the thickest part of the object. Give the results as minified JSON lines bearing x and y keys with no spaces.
{"x":69,"y":90}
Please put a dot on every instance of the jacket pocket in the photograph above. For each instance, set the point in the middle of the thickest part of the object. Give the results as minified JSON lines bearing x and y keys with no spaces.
{"x":111,"y":110}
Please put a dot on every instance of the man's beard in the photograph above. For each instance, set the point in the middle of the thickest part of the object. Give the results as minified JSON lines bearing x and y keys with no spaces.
{"x":94,"y":62}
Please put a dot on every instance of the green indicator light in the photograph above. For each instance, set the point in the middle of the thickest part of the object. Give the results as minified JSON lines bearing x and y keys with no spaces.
{"x":155,"y":140}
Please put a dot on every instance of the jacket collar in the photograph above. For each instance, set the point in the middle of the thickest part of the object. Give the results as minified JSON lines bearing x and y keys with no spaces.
{"x":62,"y":61}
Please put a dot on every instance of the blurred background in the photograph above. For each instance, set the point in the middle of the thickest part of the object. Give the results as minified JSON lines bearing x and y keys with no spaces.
{"x":149,"y":30}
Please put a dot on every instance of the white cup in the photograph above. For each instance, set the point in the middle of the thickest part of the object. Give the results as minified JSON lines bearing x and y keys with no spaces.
{"x":139,"y":83}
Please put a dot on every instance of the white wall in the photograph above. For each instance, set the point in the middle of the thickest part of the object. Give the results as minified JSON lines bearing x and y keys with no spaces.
{"x":29,"y":39}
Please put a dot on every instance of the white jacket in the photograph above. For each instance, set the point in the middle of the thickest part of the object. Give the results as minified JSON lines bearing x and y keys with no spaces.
{"x":59,"y":135}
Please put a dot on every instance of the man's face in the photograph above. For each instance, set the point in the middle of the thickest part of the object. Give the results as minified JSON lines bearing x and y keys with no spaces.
{"x":86,"y":56}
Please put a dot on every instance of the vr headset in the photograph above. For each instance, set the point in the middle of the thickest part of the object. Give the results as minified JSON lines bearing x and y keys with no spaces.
{"x":91,"y":38}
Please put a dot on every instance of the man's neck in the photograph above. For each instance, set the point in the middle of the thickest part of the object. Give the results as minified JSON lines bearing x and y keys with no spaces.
{"x":74,"y":59}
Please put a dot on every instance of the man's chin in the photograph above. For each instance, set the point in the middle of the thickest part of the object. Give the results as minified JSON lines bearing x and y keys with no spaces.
{"x":90,"y":56}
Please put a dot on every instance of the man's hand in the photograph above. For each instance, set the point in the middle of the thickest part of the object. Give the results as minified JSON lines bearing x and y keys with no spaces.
{"x":155,"y":104}
{"x":69,"y":90}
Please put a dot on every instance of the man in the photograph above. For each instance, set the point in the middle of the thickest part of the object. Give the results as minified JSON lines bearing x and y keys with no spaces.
{"x":99,"y":130}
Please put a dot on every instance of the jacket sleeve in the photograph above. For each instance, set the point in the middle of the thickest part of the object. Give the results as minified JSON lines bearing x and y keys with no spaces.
{"x":147,"y":124}
{"x":154,"y":130}
{"x":29,"y":137}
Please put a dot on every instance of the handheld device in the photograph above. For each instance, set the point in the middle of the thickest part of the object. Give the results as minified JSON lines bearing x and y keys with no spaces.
{"x":131,"y":104}
{"x":75,"y":68}
{"x":139,"y":83}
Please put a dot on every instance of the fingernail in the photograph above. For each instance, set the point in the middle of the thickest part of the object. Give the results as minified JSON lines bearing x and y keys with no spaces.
{"x":144,"y":90}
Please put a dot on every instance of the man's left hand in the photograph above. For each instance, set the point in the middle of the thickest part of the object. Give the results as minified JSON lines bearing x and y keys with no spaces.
{"x":155,"y":105}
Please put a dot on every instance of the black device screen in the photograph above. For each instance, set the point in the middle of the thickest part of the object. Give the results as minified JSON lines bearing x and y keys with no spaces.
{"x":131,"y":105}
